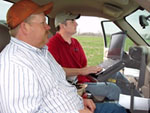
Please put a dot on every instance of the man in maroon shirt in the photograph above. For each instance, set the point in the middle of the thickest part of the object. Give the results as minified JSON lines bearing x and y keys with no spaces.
{"x":70,"y":55}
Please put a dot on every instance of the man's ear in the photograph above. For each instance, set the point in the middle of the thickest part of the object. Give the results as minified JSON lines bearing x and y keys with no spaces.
{"x":25,"y":27}
{"x":62,"y":26}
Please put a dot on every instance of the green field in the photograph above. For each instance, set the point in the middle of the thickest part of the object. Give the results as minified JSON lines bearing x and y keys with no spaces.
{"x":94,"y":46}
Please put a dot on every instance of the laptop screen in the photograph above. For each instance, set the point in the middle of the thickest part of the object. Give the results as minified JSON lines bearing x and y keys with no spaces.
{"x":116,"y":46}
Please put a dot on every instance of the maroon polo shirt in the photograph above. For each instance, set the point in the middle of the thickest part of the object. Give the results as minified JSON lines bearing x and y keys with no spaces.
{"x":68,"y":55}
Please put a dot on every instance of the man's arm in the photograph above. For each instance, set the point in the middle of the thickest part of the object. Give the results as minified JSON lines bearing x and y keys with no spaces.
{"x":82,"y":71}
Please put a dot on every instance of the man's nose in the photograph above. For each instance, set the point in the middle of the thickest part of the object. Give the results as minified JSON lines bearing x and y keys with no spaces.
{"x":47,"y":27}
{"x":76,"y":23}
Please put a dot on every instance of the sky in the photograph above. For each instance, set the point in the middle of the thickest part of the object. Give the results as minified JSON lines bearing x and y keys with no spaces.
{"x":85,"y":24}
{"x":89,"y":24}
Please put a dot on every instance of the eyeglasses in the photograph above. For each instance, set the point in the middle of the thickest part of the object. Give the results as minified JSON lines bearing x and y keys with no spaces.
{"x":41,"y":23}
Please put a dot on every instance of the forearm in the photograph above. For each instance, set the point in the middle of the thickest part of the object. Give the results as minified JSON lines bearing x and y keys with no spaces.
{"x":82,"y":71}
{"x":72,"y":71}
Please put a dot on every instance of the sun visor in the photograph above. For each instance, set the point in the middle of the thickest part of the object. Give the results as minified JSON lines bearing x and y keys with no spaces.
{"x":112,"y":10}
{"x":121,"y":2}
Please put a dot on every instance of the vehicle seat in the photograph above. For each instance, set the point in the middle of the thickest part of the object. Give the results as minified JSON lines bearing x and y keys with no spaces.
{"x":143,"y":81}
{"x":4,"y":36}
{"x":146,"y":87}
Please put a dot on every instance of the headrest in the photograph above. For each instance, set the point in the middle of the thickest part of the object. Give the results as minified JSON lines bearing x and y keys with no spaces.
{"x":4,"y":36}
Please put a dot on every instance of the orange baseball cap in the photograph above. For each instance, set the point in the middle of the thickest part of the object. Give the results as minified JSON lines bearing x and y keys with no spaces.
{"x":23,"y":9}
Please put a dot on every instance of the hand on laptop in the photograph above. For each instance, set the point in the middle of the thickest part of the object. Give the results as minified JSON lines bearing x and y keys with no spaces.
{"x":90,"y":69}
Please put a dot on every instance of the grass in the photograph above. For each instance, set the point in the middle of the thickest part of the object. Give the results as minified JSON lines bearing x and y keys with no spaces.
{"x":94,"y":48}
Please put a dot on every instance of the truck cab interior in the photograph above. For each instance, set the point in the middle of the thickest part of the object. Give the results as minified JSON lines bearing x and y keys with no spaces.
{"x":131,"y":16}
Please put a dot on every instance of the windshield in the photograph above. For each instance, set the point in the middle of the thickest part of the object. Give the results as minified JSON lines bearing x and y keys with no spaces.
{"x":133,"y":20}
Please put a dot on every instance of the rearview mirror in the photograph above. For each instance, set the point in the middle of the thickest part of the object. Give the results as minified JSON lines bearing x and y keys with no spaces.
{"x":144,"y":20}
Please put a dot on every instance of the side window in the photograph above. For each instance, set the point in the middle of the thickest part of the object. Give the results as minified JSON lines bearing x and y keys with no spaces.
{"x":4,"y":6}
{"x":46,"y":19}
{"x":109,"y":28}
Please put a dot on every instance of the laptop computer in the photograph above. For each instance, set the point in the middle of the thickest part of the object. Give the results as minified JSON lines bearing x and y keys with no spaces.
{"x":115,"y":51}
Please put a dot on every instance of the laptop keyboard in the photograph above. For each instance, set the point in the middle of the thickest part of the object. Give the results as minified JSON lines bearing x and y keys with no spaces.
{"x":108,"y":63}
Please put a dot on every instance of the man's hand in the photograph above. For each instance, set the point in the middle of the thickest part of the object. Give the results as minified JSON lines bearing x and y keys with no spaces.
{"x":89,"y":104}
{"x":89,"y":70}
{"x":85,"y":111}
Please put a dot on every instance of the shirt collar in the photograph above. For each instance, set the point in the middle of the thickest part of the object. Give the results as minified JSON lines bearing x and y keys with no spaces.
{"x":27,"y":46}
{"x":62,"y":40}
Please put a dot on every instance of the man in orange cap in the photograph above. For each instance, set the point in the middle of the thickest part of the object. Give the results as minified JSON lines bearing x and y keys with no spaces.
{"x":31,"y":81}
